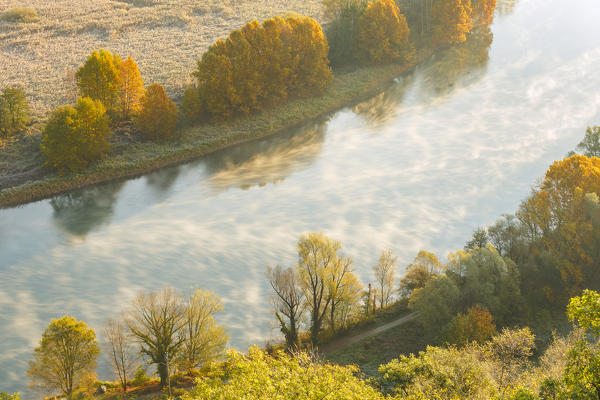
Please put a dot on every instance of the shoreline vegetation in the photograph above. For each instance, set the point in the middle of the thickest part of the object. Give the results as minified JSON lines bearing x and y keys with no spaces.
{"x":348,"y":87}
{"x":121,"y":129}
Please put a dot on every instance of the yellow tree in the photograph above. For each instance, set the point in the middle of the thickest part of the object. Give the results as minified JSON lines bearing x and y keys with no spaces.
{"x":317,"y":259}
{"x":74,"y":137}
{"x":483,"y":10}
{"x":67,"y":353}
{"x":311,"y":73}
{"x":216,"y":81}
{"x":99,"y":78}
{"x":157,"y":118}
{"x":451,"y":21}
{"x":131,"y":87}
{"x":383,"y":34}
{"x":384,"y":277}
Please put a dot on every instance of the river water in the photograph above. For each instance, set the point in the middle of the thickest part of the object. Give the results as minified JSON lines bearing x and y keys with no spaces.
{"x":443,"y":150}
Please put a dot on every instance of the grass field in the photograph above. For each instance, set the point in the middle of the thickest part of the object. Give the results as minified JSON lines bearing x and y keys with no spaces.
{"x":165,"y":37}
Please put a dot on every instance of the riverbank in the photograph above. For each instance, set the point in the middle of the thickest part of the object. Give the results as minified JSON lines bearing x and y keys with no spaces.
{"x":129,"y":159}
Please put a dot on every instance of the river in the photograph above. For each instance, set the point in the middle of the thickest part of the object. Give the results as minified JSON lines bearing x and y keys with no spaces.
{"x":443,"y":150}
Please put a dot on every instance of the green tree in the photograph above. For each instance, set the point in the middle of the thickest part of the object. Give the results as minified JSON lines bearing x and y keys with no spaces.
{"x":14,"y":111}
{"x":480,"y":239}
{"x":75,"y":137}
{"x":260,"y":376}
{"x":99,"y":78}
{"x":157,"y":119}
{"x":384,"y":277}
{"x":436,"y":303}
{"x":6,"y":396}
{"x":383,"y":34}
{"x":203,"y":339}
{"x":67,"y":353}
{"x":342,"y":31}
{"x":487,"y":279}
{"x":585,"y":310}
{"x":190,"y":108}
{"x":156,"y":320}
{"x":590,"y":145}
{"x":582,"y":374}
{"x":439,"y":373}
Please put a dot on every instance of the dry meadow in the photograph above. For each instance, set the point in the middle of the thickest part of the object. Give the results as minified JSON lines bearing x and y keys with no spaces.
{"x":165,"y":37}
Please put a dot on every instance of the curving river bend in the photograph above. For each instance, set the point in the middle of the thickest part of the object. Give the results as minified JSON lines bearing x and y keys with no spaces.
{"x":443,"y":150}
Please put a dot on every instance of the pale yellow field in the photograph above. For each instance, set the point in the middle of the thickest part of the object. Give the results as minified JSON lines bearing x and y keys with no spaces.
{"x":165,"y":37}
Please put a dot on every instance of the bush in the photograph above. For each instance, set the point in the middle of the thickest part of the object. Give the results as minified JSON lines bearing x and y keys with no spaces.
{"x":140,"y":376}
{"x":383,"y":34}
{"x":157,"y":119}
{"x":74,"y":137}
{"x":263,"y":65}
{"x":14,"y":111}
{"x":20,"y":14}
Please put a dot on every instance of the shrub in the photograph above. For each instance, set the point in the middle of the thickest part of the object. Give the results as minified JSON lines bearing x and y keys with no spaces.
{"x":140,"y":377}
{"x":157,"y":119}
{"x":20,"y":14}
{"x":99,"y":78}
{"x":383,"y":34}
{"x":260,"y":66}
{"x":14,"y":111}
{"x":74,"y":137}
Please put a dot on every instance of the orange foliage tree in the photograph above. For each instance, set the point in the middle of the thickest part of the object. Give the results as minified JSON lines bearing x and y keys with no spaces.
{"x":383,"y":34}
{"x":475,"y":326}
{"x":483,"y":10}
{"x":74,"y":137}
{"x":157,"y":118}
{"x":262,"y":65}
{"x":451,"y":21}
{"x":564,"y":216}
{"x":131,"y":87}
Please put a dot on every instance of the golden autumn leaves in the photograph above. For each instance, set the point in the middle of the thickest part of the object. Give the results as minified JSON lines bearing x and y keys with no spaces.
{"x":112,"y":90}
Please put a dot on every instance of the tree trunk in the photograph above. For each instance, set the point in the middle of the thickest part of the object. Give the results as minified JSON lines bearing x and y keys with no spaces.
{"x":162,"y":373}
{"x":332,"y":317}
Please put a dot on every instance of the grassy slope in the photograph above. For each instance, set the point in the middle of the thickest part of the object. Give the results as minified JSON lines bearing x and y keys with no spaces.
{"x":373,"y":351}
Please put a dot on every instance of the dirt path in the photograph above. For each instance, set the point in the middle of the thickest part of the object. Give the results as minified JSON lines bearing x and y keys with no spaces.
{"x":347,"y":341}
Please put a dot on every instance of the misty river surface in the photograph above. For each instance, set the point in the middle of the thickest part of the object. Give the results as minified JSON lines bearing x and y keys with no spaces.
{"x":443,"y":150}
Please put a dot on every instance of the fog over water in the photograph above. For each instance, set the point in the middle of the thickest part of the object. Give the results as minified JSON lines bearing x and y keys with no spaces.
{"x":443,"y":150}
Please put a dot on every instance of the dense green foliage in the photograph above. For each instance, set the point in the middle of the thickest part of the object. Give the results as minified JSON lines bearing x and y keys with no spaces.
{"x":257,"y":376}
{"x":74,"y":137}
{"x":14,"y":111}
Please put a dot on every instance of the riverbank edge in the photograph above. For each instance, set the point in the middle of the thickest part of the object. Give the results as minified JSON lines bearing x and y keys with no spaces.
{"x":345,"y":91}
